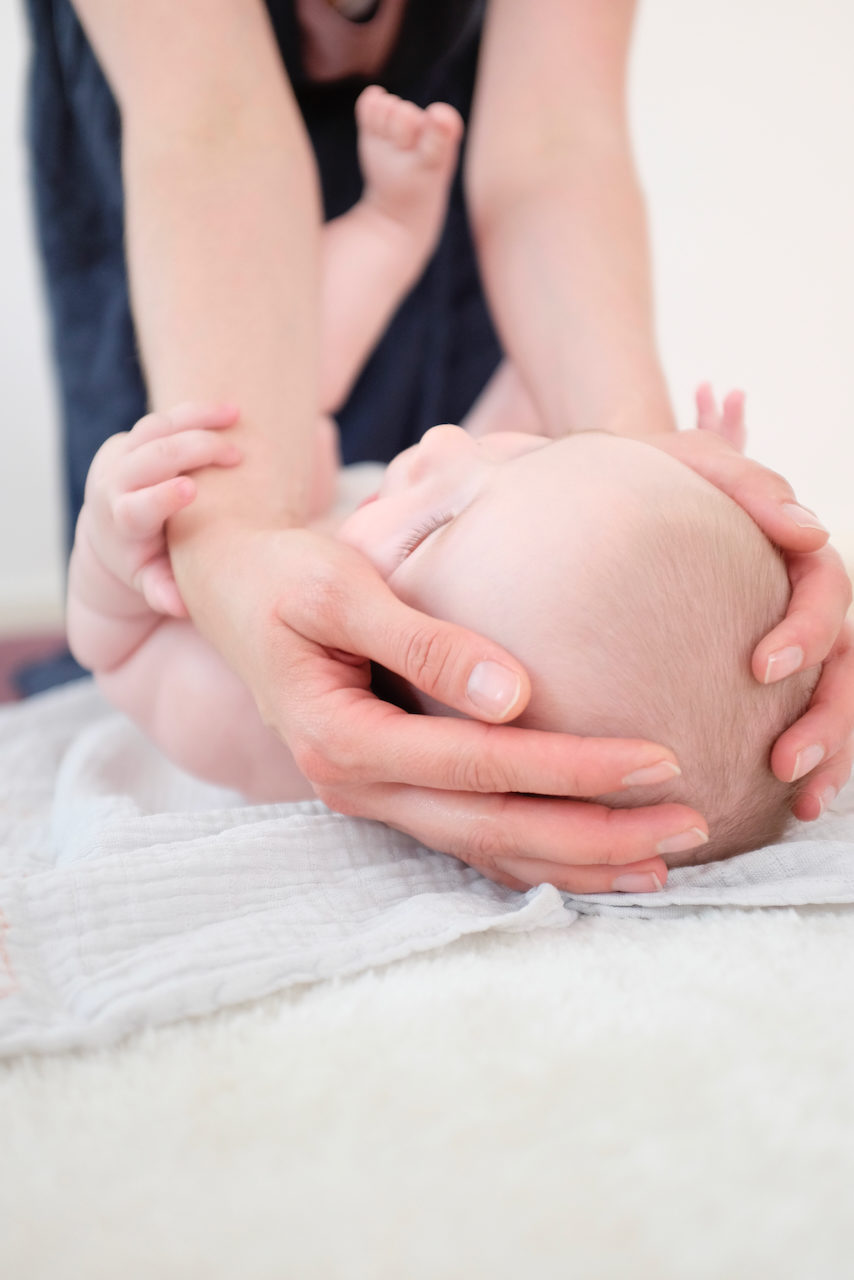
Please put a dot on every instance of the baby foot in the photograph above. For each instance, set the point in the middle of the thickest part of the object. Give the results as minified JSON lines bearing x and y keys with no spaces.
{"x":408,"y":157}
{"x":504,"y":405}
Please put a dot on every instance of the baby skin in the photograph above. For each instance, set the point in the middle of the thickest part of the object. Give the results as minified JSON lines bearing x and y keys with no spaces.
{"x":632,"y":590}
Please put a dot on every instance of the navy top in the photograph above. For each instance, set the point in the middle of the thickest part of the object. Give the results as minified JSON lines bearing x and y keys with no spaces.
{"x":440,"y":347}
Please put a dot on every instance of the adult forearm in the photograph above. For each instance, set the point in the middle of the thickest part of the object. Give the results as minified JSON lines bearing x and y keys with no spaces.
{"x":558,"y":214}
{"x":222,"y":255}
{"x":222,"y":222}
{"x":566,"y":269}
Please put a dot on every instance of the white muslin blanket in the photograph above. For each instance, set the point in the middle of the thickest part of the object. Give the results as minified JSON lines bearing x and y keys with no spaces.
{"x":133,"y":895}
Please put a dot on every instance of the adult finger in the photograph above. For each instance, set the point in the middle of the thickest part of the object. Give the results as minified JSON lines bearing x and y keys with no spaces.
{"x":826,"y":726}
{"x":648,"y":876}
{"x":142,"y":513}
{"x":763,"y":494}
{"x":171,"y":456}
{"x":338,"y":600}
{"x":339,"y":731}
{"x":191,"y":415}
{"x":374,"y":741}
{"x":821,"y":595}
{"x":487,"y":830}
{"x":823,"y":786}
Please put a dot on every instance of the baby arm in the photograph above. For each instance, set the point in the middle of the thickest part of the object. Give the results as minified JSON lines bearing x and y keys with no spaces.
{"x":155,"y":667}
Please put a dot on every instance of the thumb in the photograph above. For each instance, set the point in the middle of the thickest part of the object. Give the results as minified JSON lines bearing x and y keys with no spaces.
{"x":345,"y":604}
{"x":157,"y":584}
{"x":455,"y":666}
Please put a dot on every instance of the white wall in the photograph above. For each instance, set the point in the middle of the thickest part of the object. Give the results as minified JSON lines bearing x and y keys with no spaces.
{"x":30,"y":538}
{"x":744,"y":119}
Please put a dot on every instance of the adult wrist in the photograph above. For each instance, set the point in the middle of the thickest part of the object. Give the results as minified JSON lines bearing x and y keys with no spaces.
{"x":647,"y":418}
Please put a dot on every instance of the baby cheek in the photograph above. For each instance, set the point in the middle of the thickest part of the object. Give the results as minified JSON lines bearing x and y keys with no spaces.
{"x":360,"y":531}
{"x":356,"y":529}
{"x":399,"y":473}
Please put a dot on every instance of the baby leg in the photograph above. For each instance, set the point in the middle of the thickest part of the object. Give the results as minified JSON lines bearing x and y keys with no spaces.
{"x":504,"y":405}
{"x":372,"y":255}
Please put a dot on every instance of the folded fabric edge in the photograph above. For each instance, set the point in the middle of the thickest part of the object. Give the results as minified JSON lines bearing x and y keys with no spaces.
{"x":542,"y":907}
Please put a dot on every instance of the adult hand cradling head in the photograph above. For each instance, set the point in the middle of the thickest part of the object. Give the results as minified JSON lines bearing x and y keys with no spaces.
{"x":633,"y":592}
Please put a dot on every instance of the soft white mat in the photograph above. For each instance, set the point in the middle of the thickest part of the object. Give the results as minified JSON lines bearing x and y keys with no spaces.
{"x":622,"y":1100}
{"x":627,"y":1099}
{"x":132,"y":895}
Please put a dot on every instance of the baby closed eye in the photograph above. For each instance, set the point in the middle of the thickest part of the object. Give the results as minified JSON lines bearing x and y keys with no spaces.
{"x":421,"y":533}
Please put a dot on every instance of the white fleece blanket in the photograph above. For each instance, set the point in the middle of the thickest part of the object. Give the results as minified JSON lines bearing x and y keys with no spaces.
{"x":132,"y":895}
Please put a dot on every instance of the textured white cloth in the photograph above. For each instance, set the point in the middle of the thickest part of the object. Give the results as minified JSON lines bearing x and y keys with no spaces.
{"x":133,"y":895}
{"x":812,"y":865}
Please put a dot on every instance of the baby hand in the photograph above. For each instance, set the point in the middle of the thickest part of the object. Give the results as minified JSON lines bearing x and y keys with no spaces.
{"x":730,"y":423}
{"x":138,"y":479}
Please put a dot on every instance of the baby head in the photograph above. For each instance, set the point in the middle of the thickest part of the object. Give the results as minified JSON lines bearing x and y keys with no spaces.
{"x":633,"y":591}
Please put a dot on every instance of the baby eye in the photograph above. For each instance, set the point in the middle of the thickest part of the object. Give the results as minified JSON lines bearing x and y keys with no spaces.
{"x":421,"y":533}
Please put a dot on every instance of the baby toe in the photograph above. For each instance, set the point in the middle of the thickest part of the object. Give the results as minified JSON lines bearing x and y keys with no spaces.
{"x":447,"y":119}
{"x":372,"y":108}
{"x":441,"y":133}
{"x":405,"y":124}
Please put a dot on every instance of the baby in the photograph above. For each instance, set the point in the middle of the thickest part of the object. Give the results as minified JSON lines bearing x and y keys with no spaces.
{"x":631,"y":589}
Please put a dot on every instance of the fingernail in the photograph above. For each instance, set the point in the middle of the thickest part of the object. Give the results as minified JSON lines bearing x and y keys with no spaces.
{"x":634,"y":882}
{"x":663,"y":771}
{"x":802,"y":518}
{"x":806,"y":761}
{"x":493,"y":688}
{"x":785,"y":662}
{"x":690,"y":839}
{"x":827,"y":798}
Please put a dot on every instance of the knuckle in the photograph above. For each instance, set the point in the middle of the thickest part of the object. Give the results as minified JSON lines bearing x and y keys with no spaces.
{"x":427,"y":657}
{"x":99,"y":470}
{"x":340,"y":800}
{"x":477,"y":772}
{"x":813,"y":634}
{"x":323,"y":596}
{"x":314,"y":764}
{"x":835,"y":576}
{"x":149,"y":423}
{"x":170,"y":449}
{"x":122,"y":514}
{"x":489,"y":841}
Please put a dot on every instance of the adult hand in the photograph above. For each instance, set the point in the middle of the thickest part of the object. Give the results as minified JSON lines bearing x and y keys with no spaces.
{"x":492,"y":795}
{"x":814,"y":629}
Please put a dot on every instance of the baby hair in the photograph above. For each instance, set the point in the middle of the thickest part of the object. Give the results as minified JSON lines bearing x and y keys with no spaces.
{"x":671,"y":627}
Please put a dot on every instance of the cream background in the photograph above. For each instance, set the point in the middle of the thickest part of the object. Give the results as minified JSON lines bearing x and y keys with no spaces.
{"x":744,"y":118}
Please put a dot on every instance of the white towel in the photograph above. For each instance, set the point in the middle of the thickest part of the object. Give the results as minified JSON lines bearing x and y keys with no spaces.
{"x":132,"y":895}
